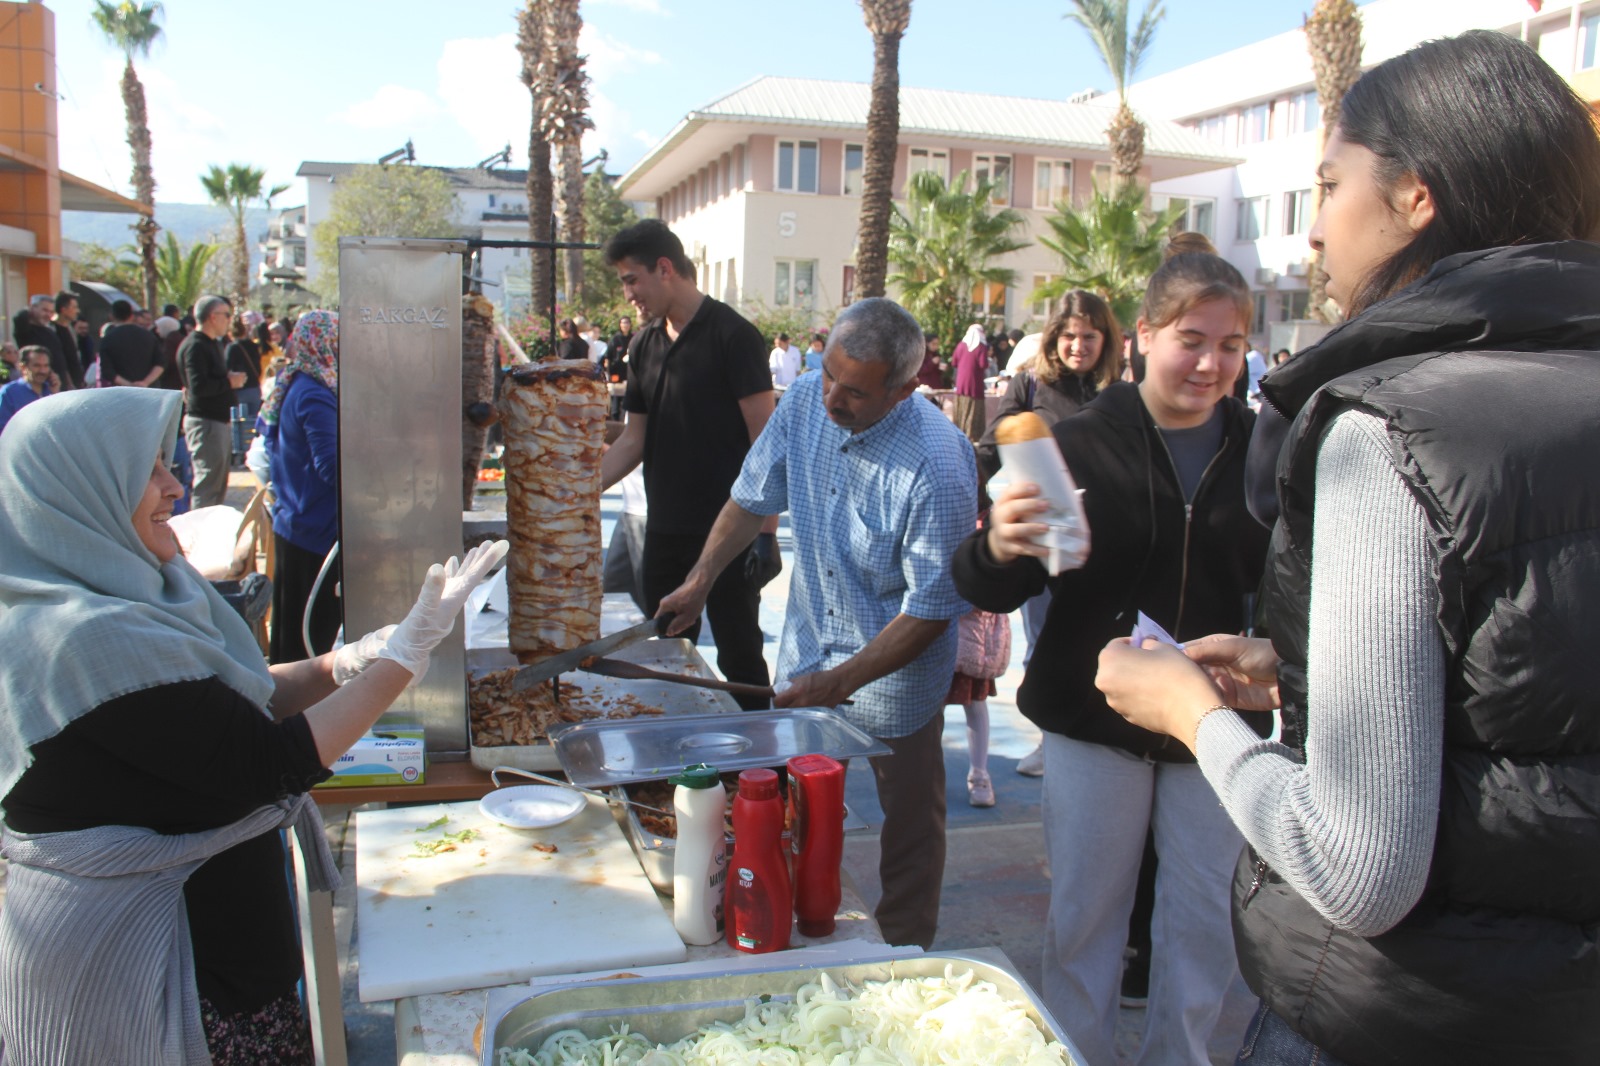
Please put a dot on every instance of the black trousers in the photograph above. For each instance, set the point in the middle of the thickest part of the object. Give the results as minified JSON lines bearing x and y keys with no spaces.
{"x":733,"y":608}
{"x":296,"y":571}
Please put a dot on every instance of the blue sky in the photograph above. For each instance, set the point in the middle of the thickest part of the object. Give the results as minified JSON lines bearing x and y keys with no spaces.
{"x":272,"y":84}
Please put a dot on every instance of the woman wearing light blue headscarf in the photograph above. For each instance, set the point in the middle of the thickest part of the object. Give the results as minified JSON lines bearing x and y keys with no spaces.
{"x":146,"y":917}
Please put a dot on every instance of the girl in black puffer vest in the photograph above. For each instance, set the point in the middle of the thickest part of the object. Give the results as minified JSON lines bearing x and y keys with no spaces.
{"x":1424,"y":880}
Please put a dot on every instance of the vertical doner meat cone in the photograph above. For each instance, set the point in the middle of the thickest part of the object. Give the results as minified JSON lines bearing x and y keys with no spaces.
{"x":553,"y":415}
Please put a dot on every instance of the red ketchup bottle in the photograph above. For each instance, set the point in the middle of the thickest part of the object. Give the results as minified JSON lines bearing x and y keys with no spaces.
{"x":759,"y":908}
{"x":816,"y":796}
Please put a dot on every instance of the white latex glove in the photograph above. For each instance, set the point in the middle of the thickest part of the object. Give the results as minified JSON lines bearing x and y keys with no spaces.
{"x":444,"y":590}
{"x":350,"y":659}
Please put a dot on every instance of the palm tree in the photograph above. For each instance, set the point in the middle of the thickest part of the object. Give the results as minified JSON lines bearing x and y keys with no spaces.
{"x":887,"y":21}
{"x":530,"y":45}
{"x":1106,"y":22}
{"x":234,"y":189}
{"x":133,"y":29}
{"x":183,"y":274}
{"x":1333,"y":36}
{"x":563,"y":116}
{"x":1110,"y":246}
{"x":943,"y":246}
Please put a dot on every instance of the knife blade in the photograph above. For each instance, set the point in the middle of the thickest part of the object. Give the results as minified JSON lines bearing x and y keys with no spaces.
{"x":566,"y":661}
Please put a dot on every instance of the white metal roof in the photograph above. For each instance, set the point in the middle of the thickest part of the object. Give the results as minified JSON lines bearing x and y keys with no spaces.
{"x":804,"y":102}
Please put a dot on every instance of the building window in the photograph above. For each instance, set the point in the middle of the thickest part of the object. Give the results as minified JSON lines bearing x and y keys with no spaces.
{"x":849,"y":286}
{"x":1259,"y":319}
{"x":995,"y":168}
{"x":1199,"y":213}
{"x":855,"y":165}
{"x":797,"y":166}
{"x":1305,"y":113}
{"x":934,"y":159}
{"x":1294,"y":305}
{"x":1052,"y":183}
{"x":1101,"y":176}
{"x":300,"y":255}
{"x":1213,"y":128}
{"x":1588,"y":54}
{"x":989,"y":299}
{"x":1043,"y":309}
{"x":1252,"y":223}
{"x":491,"y":199}
{"x":1255,"y":124}
{"x":1298,"y":208}
{"x":794,"y":283}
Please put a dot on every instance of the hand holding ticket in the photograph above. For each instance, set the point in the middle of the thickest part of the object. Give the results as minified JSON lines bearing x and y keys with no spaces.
{"x":1145,"y":627}
{"x":1029,"y":453}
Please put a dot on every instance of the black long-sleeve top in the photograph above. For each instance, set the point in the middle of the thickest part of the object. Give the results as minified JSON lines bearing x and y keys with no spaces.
{"x":205,"y":378}
{"x":180,"y":758}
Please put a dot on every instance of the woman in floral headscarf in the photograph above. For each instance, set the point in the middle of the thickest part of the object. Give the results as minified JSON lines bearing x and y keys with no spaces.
{"x":300,"y":426}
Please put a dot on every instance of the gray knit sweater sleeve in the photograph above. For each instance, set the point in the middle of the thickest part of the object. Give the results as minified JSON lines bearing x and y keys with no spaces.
{"x":1352,"y":830}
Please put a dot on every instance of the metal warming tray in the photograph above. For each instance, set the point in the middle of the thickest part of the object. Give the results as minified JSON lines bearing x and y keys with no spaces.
{"x":670,"y":1008}
{"x":602,"y":754}
{"x":615,"y":754}
{"x":675,"y":655}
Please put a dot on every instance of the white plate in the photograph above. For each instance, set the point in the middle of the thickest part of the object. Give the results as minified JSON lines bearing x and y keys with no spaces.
{"x":531,"y":806}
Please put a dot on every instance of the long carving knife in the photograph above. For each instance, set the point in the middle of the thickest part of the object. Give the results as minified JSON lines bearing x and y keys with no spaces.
{"x":567,"y":661}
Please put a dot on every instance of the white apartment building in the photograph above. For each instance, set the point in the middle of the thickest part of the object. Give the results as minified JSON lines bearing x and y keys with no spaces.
{"x":283,"y":250}
{"x":1259,"y":102}
{"x":491,"y":204}
{"x":764,"y":184}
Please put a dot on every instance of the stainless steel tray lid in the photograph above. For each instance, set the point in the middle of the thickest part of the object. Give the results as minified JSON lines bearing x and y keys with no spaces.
{"x":600,"y":754}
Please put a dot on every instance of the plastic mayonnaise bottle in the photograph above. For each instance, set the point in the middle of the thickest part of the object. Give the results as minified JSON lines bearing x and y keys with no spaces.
{"x":699,"y":861}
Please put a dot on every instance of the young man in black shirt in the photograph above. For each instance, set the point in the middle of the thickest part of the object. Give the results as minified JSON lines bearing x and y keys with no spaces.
{"x":129,"y":355}
{"x":699,"y":393}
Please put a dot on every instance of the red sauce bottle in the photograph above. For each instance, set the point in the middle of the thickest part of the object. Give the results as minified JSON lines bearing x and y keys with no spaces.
{"x":816,"y":796}
{"x":759,"y":909}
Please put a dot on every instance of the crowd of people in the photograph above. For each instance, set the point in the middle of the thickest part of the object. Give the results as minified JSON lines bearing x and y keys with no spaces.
{"x":1354,"y":742}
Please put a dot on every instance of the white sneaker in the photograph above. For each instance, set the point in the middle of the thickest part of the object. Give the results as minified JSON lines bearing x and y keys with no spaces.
{"x":1032,"y":764}
{"x":980,"y":790}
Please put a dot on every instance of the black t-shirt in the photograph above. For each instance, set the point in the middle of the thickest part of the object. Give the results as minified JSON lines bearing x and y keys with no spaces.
{"x":180,"y":758}
{"x":696,"y":438}
{"x":574,"y":348}
{"x":617,"y":355}
{"x":129,"y":352}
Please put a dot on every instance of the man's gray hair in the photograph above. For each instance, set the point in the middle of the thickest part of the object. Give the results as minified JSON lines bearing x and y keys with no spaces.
{"x":206,"y":305}
{"x":40,"y":298}
{"x":877,"y":330}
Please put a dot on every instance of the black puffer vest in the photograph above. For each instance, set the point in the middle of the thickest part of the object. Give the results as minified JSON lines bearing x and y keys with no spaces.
{"x":1487,"y":375}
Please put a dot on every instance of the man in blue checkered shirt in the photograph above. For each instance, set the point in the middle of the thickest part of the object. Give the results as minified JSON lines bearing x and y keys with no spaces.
{"x":880,"y":488}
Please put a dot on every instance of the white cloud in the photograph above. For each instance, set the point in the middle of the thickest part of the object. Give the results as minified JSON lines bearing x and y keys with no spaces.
{"x":608,"y":56}
{"x":480,"y":84}
{"x":391,"y":107}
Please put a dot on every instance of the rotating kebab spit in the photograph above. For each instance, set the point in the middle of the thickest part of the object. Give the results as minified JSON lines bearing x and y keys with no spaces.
{"x":552,"y":415}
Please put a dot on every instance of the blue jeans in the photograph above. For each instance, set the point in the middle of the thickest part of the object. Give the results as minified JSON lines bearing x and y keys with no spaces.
{"x":1270,"y":1042}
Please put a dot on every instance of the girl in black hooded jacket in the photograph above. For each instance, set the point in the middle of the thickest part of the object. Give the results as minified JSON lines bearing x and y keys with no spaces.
{"x":1161,"y":464}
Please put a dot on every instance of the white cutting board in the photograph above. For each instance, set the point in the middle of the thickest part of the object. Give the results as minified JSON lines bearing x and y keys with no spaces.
{"x":495,"y":910}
